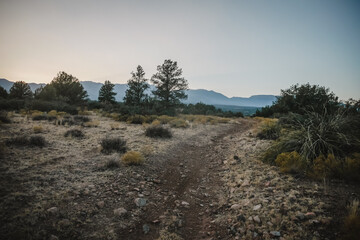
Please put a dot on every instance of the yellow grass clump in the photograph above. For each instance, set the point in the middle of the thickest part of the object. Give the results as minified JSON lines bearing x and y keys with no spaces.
{"x":114,"y":126}
{"x":352,"y":221}
{"x":156,"y":123}
{"x":147,"y":150}
{"x":289,"y":162}
{"x":164,"y":119}
{"x":178,"y":123}
{"x":133,"y":158}
{"x":38,"y":129}
{"x":94,"y":123}
{"x":52,"y":113}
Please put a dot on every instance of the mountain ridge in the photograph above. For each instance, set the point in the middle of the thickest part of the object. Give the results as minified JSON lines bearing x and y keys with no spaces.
{"x":194,"y":95}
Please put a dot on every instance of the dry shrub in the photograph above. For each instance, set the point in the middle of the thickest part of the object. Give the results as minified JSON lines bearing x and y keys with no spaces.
{"x":84,"y":112}
{"x":114,"y":126}
{"x":35,"y":113}
{"x":75,"y":133}
{"x":38,"y":129}
{"x":352,"y":167}
{"x":147,"y":150}
{"x":94,"y":123}
{"x":136,"y":119}
{"x":164,"y":119}
{"x":112,"y":163}
{"x":178,"y":123}
{"x":113,"y":144}
{"x":2,"y":149}
{"x":269,"y":129}
{"x":83,"y":119}
{"x":4,"y":117}
{"x":290,"y":162}
{"x":157,"y":132}
{"x":352,"y":222}
{"x":133,"y":158}
{"x":329,"y":166}
{"x":156,"y":123}
{"x":223,"y":120}
{"x":52,"y":113}
{"x":165,"y":235}
{"x":38,"y":141}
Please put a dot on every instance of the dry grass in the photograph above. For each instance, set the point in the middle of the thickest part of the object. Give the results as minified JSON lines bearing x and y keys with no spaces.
{"x":94,"y":123}
{"x":133,"y":158}
{"x":115,"y":126}
{"x":38,"y":129}
{"x":352,"y":221}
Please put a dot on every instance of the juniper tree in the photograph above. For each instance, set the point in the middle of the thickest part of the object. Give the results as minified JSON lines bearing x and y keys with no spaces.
{"x":3,"y":93}
{"x":137,"y":84}
{"x":170,"y":86}
{"x":20,"y":90}
{"x":106,"y":93}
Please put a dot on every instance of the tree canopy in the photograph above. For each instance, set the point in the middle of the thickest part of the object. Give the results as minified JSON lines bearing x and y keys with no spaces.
{"x":170,"y":86}
{"x":3,"y":93}
{"x":106,"y":93}
{"x":137,"y":84}
{"x":68,"y":88}
{"x":20,"y":90}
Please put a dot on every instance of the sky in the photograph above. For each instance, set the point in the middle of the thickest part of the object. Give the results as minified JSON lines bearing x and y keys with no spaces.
{"x":238,"y":48}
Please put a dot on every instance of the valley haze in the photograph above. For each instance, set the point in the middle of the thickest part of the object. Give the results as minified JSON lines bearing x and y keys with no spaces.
{"x":194,"y":95}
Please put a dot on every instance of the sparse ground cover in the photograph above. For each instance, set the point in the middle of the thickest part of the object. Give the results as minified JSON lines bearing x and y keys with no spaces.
{"x":206,"y":182}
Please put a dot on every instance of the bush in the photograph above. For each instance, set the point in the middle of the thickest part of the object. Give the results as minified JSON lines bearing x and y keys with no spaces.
{"x":38,"y":141}
{"x":75,"y":133}
{"x":269,"y":129}
{"x":132,"y":158}
{"x":94,"y":123}
{"x":178,"y":123}
{"x":2,"y":149}
{"x":38,"y":129}
{"x":18,"y":141}
{"x":352,"y":167}
{"x":81,"y":119}
{"x":114,"y":126}
{"x":112,"y":163}
{"x":158,"y":132}
{"x":290,"y":162}
{"x":136,"y":119}
{"x":352,"y":222}
{"x":113,"y":144}
{"x":4,"y":118}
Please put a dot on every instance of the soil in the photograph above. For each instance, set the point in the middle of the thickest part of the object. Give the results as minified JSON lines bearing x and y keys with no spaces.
{"x":207,"y":182}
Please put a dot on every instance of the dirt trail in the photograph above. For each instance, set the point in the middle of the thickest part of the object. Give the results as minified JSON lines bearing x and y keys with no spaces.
{"x":191,"y":190}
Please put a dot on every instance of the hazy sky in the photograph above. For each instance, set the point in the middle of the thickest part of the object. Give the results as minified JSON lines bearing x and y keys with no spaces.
{"x":238,"y":48}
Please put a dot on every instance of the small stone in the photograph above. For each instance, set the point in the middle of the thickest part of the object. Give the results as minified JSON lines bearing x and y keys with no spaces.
{"x":65,"y":223}
{"x":140,"y":202}
{"x":100,"y":204}
{"x":146,"y":228}
{"x":53,"y":237}
{"x":53,"y":210}
{"x":310,"y":215}
{"x":275,"y":234}
{"x":185,"y":203}
{"x":235,"y":206}
{"x":120,"y":212}
{"x":257,"y":207}
{"x":257,"y":219}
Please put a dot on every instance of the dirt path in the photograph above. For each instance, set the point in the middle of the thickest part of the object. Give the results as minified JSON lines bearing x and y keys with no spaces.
{"x":190,"y":190}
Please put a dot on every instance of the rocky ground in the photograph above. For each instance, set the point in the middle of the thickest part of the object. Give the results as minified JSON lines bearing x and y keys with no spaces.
{"x":207,"y":182}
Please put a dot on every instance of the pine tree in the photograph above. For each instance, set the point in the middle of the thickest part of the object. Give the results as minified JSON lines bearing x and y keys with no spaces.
{"x":68,"y":88}
{"x":169,"y":83}
{"x":106,"y":93}
{"x":137,"y":84}
{"x":3,"y":93}
{"x":20,"y":90}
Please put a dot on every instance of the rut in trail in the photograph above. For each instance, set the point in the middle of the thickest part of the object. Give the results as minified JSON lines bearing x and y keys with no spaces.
{"x":190,"y":192}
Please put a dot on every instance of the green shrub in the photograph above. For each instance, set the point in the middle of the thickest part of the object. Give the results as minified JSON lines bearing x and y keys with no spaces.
{"x":158,"y":132}
{"x":75,"y":133}
{"x":133,"y":158}
{"x":113,"y":144}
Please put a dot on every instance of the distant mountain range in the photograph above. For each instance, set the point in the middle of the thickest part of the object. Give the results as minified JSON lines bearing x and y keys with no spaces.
{"x":194,"y":95}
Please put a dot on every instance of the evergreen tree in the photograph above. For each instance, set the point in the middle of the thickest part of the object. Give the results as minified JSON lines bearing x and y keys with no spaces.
{"x":169,"y":83}
{"x":137,"y":84}
{"x":3,"y":93}
{"x":20,"y":90}
{"x":68,"y":88}
{"x":106,"y":93}
{"x":47,"y":93}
